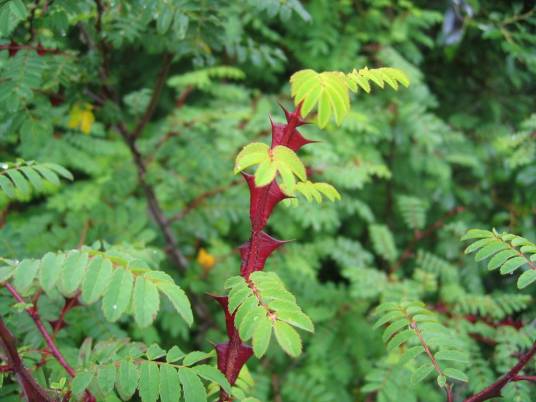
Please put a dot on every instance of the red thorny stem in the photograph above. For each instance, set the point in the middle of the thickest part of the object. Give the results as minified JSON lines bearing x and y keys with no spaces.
{"x":233,"y":354}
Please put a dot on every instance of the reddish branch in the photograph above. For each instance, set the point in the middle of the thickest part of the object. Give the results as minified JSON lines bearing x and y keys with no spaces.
{"x":13,"y":48}
{"x":33,"y":392}
{"x":233,"y":354}
{"x":409,"y":251}
{"x":34,"y":314}
{"x":68,"y":306}
{"x":494,"y":390}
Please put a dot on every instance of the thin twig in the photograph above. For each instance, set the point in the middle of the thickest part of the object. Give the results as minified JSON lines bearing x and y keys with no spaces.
{"x":524,"y":378}
{"x":40,"y":49}
{"x":448,"y":387}
{"x":172,"y":248}
{"x":181,"y":100}
{"x":34,"y":314}
{"x":155,"y":97}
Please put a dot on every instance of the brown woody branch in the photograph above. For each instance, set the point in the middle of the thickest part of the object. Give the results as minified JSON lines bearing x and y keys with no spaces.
{"x":199,"y":200}
{"x":494,"y":390}
{"x":155,"y":97}
{"x":172,"y":248}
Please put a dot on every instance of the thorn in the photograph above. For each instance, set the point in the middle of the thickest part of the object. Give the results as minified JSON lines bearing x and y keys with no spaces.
{"x":288,"y":115}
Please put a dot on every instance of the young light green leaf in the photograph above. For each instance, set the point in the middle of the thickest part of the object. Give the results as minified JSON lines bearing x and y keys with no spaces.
{"x":265,"y":173}
{"x":7,"y":186}
{"x":500,"y":258}
{"x":6,"y":271}
{"x":251,"y":154}
{"x":286,"y":156}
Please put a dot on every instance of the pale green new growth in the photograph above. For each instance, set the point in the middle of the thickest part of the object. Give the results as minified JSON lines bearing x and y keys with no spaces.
{"x":280,"y":159}
{"x":330,"y":90}
{"x":312,"y":192}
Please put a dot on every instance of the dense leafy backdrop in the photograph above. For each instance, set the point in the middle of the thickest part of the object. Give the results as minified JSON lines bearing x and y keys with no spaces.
{"x":416,"y":169}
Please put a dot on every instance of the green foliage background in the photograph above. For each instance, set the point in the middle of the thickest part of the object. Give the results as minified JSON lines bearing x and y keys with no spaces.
{"x":415,"y":168}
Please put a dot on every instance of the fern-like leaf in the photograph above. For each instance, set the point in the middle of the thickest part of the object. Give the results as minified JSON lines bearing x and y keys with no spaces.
{"x":123,"y":283}
{"x":20,"y":177}
{"x":411,"y":323}
{"x":507,"y":252}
